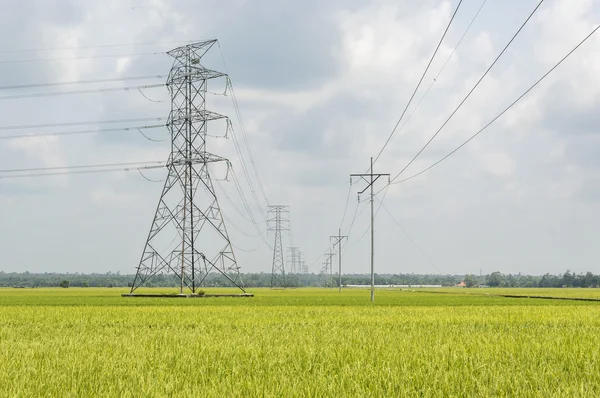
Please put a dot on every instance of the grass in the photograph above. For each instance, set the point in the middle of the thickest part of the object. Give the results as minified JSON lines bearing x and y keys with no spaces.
{"x":297,"y":342}
{"x":547,"y":292}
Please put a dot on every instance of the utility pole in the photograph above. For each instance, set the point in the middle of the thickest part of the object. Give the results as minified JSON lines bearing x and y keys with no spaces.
{"x":338,"y":242}
{"x":370,"y":179}
{"x":278,"y":222}
{"x":329,"y":263}
{"x":188,"y":237}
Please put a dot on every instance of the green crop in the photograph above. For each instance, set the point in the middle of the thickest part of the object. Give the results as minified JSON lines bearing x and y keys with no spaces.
{"x":302,"y":342}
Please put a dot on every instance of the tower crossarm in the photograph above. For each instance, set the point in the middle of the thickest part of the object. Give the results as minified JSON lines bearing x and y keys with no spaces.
{"x":205,"y":157}
{"x":193,"y":50}
{"x":192,"y":73}
{"x":180,"y":116}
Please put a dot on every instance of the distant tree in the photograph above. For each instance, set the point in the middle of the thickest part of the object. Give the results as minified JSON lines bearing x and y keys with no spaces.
{"x":470,"y":280}
{"x":568,"y":278}
{"x":590,"y":280}
{"x":495,"y":279}
{"x":85,"y":284}
{"x":64,"y":283}
{"x":511,"y":281}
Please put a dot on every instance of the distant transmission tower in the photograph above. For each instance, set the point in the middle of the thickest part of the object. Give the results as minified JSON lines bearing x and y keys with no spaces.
{"x":278,"y":222}
{"x":302,"y":264}
{"x":188,"y":237}
{"x":293,"y":259}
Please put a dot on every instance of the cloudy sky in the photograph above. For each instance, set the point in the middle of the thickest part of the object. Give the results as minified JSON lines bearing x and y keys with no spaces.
{"x":320,"y":85}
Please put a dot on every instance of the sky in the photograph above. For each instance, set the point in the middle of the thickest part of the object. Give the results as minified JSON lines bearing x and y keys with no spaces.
{"x":320,"y":86}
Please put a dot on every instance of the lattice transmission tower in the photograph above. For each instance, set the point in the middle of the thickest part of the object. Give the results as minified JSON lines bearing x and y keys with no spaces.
{"x":188,"y":237}
{"x":302,"y":267}
{"x":279,"y":221}
{"x":294,"y":259}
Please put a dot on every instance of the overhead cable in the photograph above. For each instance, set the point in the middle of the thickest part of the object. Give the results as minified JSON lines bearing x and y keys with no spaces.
{"x":435,"y":79}
{"x":98,"y":90}
{"x":23,"y":61}
{"x":419,"y":83}
{"x":96,"y":46}
{"x":69,"y":172}
{"x":87,"y":166}
{"x":499,"y":115}
{"x":409,"y":237}
{"x":242,"y":127}
{"x":471,"y":91}
{"x":68,"y":124}
{"x":79,"y":132}
{"x":75,"y":82}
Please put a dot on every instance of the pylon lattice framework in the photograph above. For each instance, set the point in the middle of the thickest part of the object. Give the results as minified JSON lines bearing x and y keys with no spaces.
{"x":188,"y":237}
{"x":294,"y":260}
{"x":278,"y":221}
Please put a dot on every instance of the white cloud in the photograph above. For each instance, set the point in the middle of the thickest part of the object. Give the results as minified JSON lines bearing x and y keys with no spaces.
{"x":310,"y":134}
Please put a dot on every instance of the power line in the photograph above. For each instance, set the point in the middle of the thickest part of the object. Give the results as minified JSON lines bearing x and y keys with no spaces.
{"x":248,"y":208}
{"x":95,"y":46}
{"x":470,"y":92}
{"x":56,"y":84}
{"x":80,"y":132}
{"x":376,"y":212}
{"x":69,"y":124}
{"x":247,"y":250}
{"x":87,"y":166}
{"x":231,"y":223}
{"x":501,"y":113}
{"x":231,"y":201}
{"x":347,"y":230}
{"x":98,"y":90}
{"x":22,"y":61}
{"x":409,"y":237}
{"x":419,"y":83}
{"x":246,"y":174}
{"x":69,"y":172}
{"x":243,"y":128}
{"x":442,"y":69}
{"x":459,"y":41}
{"x":148,"y":179}
{"x":346,"y":205}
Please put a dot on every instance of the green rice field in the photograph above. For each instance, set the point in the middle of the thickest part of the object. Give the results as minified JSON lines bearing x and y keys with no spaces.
{"x":299,"y":343}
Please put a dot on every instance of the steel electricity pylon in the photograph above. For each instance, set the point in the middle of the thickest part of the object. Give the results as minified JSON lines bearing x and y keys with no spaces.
{"x":370,"y":179}
{"x":293,"y":259}
{"x":188,"y":237}
{"x":278,"y":221}
{"x":302,"y":264}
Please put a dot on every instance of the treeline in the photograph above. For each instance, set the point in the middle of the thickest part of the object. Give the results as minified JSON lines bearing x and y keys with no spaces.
{"x":568,"y":279}
{"x":495,"y":279}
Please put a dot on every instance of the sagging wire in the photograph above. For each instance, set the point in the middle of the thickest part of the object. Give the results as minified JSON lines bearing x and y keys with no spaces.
{"x":246,"y":250}
{"x":224,"y":93}
{"x":228,"y":128}
{"x":148,"y":179}
{"x":231,"y":223}
{"x":148,"y":138}
{"x":149,"y":99}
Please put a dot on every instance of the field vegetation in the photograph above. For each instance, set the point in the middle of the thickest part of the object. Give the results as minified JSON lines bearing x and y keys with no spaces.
{"x":298,"y":342}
